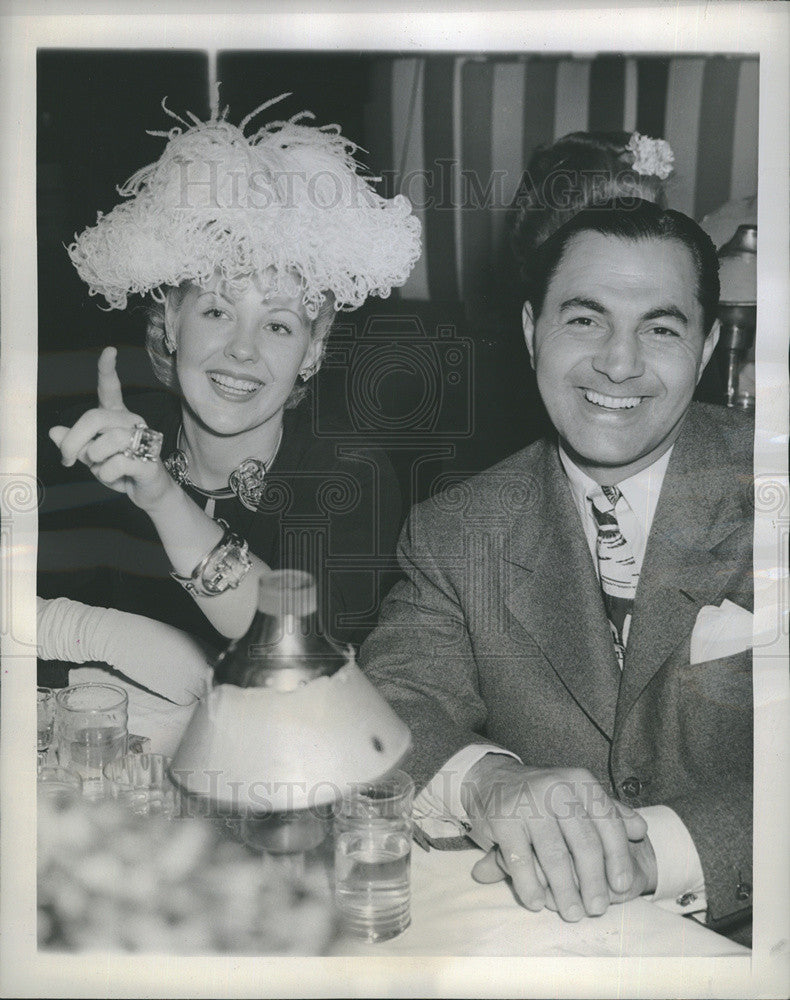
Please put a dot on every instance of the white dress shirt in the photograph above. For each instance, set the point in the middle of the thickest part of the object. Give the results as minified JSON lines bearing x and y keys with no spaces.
{"x":438,"y":808}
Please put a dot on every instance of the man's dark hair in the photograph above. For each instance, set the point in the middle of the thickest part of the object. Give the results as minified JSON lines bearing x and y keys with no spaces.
{"x":630,"y":219}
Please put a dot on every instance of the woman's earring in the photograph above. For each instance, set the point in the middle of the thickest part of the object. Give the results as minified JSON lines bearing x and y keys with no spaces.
{"x":170,"y":346}
{"x":307,"y":373}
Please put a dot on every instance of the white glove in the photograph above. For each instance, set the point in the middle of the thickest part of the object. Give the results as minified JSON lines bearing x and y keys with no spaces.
{"x":162,"y":658}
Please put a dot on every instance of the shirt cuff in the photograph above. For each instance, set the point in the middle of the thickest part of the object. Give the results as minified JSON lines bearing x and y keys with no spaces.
{"x":438,"y":808}
{"x":681,"y":884}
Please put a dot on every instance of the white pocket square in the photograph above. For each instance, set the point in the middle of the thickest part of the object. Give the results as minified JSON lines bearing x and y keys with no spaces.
{"x":721,"y":631}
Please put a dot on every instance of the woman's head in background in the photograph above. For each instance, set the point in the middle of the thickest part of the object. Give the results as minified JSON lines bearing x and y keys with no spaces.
{"x":580,"y":170}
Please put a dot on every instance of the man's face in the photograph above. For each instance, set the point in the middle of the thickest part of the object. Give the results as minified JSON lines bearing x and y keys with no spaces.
{"x":618,"y":349}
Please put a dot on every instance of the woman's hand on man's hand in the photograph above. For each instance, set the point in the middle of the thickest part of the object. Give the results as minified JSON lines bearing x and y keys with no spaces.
{"x":99,"y":438}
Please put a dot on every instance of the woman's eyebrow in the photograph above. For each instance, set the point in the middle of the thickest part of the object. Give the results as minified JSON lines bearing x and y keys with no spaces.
{"x":216,"y":292}
{"x":278,"y":308}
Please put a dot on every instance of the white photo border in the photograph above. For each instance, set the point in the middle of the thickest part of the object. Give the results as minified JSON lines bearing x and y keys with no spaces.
{"x":560,"y":27}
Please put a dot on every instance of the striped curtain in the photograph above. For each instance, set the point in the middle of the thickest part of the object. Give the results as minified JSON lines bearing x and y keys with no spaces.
{"x":464,"y":127}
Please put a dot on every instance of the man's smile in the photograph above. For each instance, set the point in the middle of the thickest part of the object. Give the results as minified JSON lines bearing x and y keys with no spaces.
{"x":612,"y":402}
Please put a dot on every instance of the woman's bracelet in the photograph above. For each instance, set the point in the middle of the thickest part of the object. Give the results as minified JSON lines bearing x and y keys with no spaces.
{"x":221,"y":568}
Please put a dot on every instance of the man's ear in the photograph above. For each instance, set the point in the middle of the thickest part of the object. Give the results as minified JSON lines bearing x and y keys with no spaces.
{"x":708,"y":348}
{"x":528,"y":323}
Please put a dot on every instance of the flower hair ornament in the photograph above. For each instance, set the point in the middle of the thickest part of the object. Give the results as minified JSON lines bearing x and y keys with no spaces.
{"x":288,"y":199}
{"x":650,"y":157}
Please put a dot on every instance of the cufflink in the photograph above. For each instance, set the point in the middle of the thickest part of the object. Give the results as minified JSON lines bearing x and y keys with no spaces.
{"x":743,"y":891}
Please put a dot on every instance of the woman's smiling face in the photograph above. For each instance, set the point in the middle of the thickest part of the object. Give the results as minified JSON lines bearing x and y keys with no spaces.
{"x":238,"y":352}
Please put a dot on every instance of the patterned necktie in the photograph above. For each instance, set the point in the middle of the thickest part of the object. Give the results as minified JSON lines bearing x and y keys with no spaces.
{"x":619,"y":575}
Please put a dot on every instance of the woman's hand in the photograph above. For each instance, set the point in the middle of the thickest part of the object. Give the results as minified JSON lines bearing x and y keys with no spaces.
{"x":99,"y":438}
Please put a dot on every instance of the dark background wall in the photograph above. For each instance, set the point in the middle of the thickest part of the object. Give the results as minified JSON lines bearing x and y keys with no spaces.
{"x":438,"y":373}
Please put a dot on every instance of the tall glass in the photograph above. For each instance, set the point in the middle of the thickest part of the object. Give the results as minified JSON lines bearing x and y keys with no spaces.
{"x":91,"y":721}
{"x":373,"y":827}
{"x":45,"y":722}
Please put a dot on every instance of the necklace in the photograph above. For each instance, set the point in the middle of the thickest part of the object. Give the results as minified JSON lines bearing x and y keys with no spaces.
{"x":245,"y":482}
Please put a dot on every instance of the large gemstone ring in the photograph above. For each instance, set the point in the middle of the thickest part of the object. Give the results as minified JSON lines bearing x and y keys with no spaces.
{"x":145,"y":444}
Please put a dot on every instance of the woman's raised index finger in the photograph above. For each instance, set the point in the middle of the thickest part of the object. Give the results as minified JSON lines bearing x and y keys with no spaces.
{"x":109,"y":385}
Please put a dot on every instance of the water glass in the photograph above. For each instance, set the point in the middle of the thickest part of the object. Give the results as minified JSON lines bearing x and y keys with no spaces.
{"x":45,"y":721}
{"x":57,"y":782}
{"x":91,"y":730}
{"x":141,"y":783}
{"x":294,"y":833}
{"x":373,"y":828}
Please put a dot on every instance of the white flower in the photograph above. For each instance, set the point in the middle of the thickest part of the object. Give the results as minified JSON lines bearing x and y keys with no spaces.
{"x":652,"y":157}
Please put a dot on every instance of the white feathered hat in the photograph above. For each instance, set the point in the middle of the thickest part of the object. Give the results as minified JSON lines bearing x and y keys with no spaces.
{"x":288,"y":198}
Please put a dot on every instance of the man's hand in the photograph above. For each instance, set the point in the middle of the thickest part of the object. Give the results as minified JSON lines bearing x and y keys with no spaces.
{"x":558,"y":835}
{"x":492,"y":868}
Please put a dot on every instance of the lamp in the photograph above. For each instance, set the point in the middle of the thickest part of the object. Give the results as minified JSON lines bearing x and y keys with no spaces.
{"x":290,"y":723}
{"x":738,"y":315}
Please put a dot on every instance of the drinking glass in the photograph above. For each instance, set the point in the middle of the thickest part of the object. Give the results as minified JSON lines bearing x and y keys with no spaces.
{"x":140,"y":781}
{"x":57,"y":782}
{"x":373,"y":827}
{"x":45,"y":721}
{"x":91,"y":730}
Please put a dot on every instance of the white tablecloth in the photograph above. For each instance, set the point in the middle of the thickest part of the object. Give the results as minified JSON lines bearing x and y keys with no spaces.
{"x":454,"y":915}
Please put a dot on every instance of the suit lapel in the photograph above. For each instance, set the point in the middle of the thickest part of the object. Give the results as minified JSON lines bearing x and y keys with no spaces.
{"x":697,"y":509}
{"x":553,"y":592}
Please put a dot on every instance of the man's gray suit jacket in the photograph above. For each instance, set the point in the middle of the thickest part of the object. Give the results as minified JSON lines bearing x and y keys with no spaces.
{"x":498,"y":633}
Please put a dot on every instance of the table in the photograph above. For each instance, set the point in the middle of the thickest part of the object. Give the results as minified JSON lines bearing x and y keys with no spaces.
{"x":454,"y":915}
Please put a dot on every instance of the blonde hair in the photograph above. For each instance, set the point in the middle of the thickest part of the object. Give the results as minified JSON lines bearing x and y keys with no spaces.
{"x":163,"y":361}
